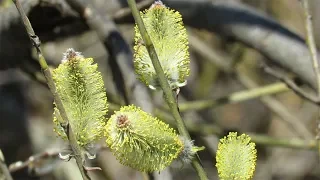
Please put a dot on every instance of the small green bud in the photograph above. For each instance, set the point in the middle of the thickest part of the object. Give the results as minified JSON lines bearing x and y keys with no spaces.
{"x":81,"y":89}
{"x":141,"y":141}
{"x":169,"y":38}
{"x":236,"y":157}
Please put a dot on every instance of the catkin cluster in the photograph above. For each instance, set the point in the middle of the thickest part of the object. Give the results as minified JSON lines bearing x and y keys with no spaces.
{"x":136,"y":138}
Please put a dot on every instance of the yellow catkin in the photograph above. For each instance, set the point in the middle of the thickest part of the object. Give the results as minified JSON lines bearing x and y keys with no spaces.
{"x":81,"y":89}
{"x":141,"y":141}
{"x":236,"y":157}
{"x":169,"y":38}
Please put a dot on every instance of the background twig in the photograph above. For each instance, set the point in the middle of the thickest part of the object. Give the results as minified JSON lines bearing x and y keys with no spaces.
{"x":311,"y":43}
{"x":313,"y":51}
{"x":32,"y":159}
{"x":292,"y":85}
{"x":234,"y":97}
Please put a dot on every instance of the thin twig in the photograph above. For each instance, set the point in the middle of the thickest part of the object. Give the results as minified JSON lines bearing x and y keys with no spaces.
{"x":47,"y":73}
{"x":50,"y":153}
{"x":292,"y":85}
{"x":211,"y":129}
{"x":168,"y":94}
{"x":4,"y":171}
{"x":313,"y":52}
{"x":283,"y":142}
{"x":32,"y":159}
{"x":126,"y":11}
{"x":311,"y":42}
{"x":235,"y":97}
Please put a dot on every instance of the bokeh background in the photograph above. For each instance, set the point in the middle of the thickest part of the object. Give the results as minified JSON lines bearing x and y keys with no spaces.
{"x":231,"y":43}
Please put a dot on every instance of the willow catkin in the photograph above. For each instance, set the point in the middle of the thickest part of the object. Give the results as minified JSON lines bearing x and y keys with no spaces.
{"x":81,"y":89}
{"x":169,"y":38}
{"x":236,"y":157}
{"x":141,"y":141}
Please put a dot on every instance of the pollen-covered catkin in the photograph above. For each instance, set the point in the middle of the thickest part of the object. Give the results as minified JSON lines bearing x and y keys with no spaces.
{"x":141,"y":141}
{"x":169,"y":38}
{"x":81,"y":89}
{"x":236,"y":157}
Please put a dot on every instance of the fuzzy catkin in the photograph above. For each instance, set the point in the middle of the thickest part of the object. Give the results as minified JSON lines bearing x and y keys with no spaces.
{"x":141,"y":141}
{"x":236,"y":157}
{"x":81,"y":89}
{"x":169,"y":38}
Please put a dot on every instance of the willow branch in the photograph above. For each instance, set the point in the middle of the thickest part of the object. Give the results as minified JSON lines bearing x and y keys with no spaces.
{"x":235,"y":97}
{"x":168,"y":94}
{"x":211,"y":129}
{"x":312,"y":97}
{"x":126,"y":11}
{"x":313,"y":52}
{"x":32,"y":159}
{"x":47,"y":73}
{"x":311,"y":43}
{"x":283,"y":142}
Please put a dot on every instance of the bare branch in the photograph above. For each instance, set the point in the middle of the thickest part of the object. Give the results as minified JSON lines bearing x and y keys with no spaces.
{"x":311,"y":42}
{"x":234,"y":97}
{"x":292,"y":85}
{"x":32,"y":159}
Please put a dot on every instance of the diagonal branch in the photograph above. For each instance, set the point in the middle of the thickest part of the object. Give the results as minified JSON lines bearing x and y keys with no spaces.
{"x":47,"y":73}
{"x":32,"y":159}
{"x":292,"y":85}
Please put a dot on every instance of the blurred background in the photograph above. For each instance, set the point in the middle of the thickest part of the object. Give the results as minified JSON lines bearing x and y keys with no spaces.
{"x":236,"y":47}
